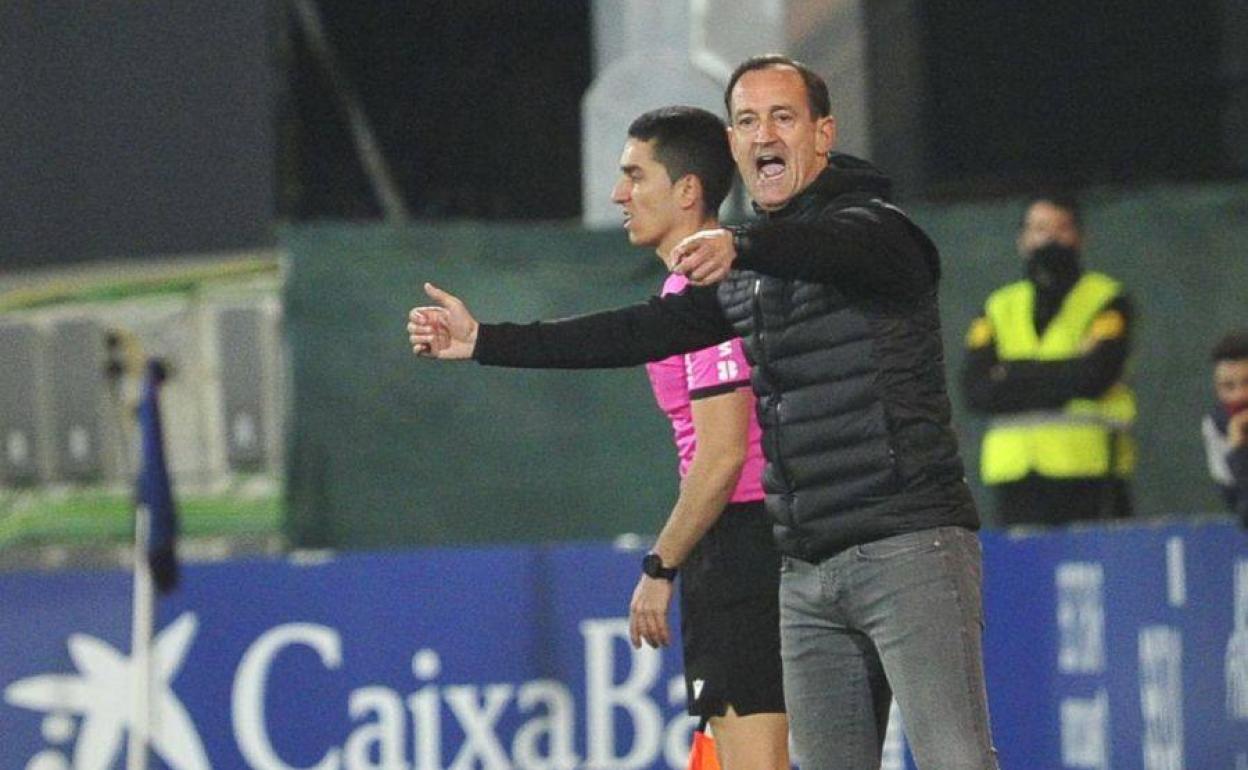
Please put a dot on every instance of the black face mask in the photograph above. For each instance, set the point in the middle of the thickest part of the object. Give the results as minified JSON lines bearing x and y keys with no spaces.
{"x":1053,"y":267}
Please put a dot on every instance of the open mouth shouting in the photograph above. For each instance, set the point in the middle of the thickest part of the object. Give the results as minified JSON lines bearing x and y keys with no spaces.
{"x":770,"y":166}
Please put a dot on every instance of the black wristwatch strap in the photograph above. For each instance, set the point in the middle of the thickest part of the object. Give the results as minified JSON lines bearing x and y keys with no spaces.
{"x":740,"y":242}
{"x":652,"y":566}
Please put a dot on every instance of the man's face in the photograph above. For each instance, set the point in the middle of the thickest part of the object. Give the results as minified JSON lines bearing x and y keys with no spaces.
{"x":1230,"y":380}
{"x":1045,"y":224}
{"x":649,"y":199}
{"x":779,"y":146}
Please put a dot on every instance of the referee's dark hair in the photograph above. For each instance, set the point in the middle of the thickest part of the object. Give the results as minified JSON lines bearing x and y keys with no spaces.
{"x":816,"y":89}
{"x":1232,"y":347}
{"x":688,"y":140}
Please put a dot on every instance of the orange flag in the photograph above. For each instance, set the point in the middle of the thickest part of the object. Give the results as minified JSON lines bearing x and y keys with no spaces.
{"x":702,"y":756}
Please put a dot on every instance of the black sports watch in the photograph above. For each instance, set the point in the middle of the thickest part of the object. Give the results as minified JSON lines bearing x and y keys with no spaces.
{"x":652,"y":566}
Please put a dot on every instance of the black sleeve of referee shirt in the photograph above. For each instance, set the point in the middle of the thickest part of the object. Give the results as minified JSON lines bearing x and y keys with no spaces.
{"x":998,"y":387}
{"x":718,"y":389}
{"x":870,"y":248}
{"x":649,"y":331}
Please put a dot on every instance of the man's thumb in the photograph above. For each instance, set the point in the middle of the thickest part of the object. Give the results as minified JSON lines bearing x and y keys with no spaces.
{"x":437,"y":295}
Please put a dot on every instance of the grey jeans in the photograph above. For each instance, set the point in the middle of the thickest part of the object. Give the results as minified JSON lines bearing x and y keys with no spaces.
{"x":900,"y":617}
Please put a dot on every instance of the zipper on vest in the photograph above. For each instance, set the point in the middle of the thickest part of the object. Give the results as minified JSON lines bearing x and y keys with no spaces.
{"x":780,"y":469}
{"x":760,"y":330}
{"x":760,"y":326}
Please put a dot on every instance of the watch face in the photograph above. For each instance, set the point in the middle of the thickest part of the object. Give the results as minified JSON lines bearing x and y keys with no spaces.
{"x":652,"y":566}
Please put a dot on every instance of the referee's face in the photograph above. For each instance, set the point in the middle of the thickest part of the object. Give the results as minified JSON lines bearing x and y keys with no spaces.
{"x":649,"y":199}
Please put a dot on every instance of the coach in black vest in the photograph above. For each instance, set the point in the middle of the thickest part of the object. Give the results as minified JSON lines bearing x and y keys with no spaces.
{"x":833,"y":290}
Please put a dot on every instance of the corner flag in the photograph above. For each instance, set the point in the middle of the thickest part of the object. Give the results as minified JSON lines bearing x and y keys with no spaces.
{"x":153,"y":493}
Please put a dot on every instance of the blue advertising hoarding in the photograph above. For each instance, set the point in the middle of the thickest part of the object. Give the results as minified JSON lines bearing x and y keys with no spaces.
{"x":1123,"y":648}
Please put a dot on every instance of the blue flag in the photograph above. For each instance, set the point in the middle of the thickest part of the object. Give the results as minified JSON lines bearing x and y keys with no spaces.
{"x":153,"y":492}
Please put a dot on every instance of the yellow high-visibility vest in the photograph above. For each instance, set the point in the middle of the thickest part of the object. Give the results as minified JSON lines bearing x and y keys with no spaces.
{"x":1088,"y":437}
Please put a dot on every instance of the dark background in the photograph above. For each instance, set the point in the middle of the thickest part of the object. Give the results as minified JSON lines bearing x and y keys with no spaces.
{"x":134,"y":128}
{"x":477,"y":103}
{"x":1073,"y":93}
{"x":141,"y":128}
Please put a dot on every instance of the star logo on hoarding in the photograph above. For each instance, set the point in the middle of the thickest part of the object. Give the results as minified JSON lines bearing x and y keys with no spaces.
{"x":99,"y":694}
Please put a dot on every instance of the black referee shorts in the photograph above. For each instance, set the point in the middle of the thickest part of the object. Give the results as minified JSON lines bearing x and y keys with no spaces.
{"x":730,"y":616}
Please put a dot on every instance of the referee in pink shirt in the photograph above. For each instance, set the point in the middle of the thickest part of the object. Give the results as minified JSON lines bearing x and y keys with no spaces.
{"x":675,"y":171}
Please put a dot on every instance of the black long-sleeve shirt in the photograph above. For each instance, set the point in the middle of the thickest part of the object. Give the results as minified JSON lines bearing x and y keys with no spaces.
{"x":860,"y":250}
{"x":626,"y":336}
{"x":868,"y":258}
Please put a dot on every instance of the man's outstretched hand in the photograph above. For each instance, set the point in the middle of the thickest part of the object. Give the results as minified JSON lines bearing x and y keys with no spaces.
{"x":443,"y":331}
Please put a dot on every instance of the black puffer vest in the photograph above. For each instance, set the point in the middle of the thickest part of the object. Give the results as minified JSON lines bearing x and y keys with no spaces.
{"x":852,"y":400}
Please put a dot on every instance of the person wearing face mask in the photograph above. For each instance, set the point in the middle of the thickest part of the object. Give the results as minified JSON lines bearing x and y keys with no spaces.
{"x":1225,"y":427}
{"x":1045,"y":362}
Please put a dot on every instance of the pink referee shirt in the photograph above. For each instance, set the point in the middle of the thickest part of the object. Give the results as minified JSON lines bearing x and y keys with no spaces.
{"x":678,"y":380}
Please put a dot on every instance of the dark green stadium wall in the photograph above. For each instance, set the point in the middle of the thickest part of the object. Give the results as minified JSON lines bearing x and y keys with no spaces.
{"x":386,"y":450}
